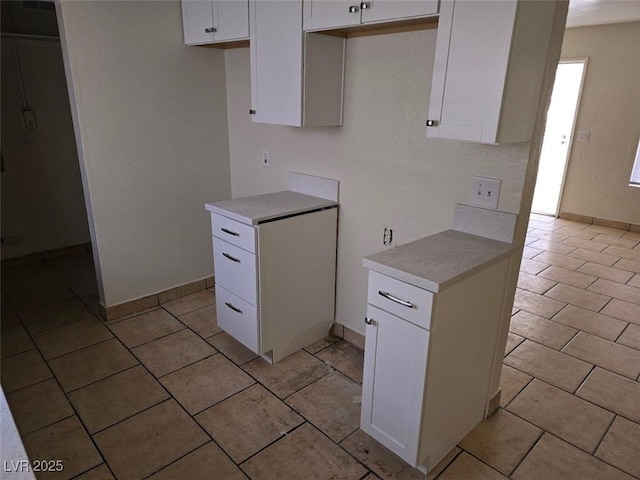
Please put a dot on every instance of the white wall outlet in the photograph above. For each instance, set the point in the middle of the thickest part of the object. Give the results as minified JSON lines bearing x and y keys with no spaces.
{"x":485,"y":192}
{"x":265,"y":157}
{"x":583,"y":135}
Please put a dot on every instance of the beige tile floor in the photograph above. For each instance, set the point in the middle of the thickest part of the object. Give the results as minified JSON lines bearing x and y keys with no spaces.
{"x":166,"y":394}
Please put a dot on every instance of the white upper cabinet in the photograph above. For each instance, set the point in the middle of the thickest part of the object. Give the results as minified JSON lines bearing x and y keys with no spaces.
{"x":326,"y":14}
{"x":296,"y":79}
{"x":211,"y":21}
{"x":489,"y":66}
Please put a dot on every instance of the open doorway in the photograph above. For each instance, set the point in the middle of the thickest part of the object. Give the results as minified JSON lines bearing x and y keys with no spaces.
{"x":558,"y":135}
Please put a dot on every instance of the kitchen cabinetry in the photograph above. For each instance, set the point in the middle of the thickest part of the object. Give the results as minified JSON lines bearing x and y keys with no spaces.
{"x":274,"y":263}
{"x":296,"y":79}
{"x":323,"y":14}
{"x":489,"y":66}
{"x":431,"y":333}
{"x":211,"y":21}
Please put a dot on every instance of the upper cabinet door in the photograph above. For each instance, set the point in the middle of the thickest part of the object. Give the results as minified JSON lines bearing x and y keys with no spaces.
{"x":489,"y":65}
{"x":328,"y":14}
{"x":276,"y":50}
{"x":197,"y":21}
{"x":324,"y":14}
{"x":211,"y":21}
{"x":231,"y":20}
{"x":381,"y":10}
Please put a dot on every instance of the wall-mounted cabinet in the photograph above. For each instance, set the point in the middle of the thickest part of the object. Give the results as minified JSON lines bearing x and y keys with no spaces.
{"x":323,"y":14}
{"x":296,"y":78}
{"x":213,"y":21}
{"x":489,"y":66}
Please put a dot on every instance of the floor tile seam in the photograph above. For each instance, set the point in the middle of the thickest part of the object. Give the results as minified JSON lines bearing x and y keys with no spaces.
{"x":559,"y":349}
{"x":508,"y":475}
{"x":3,"y":358}
{"x":331,"y":370}
{"x":553,"y":319}
{"x":29,"y":309}
{"x":622,"y":333}
{"x":264,"y":447}
{"x":591,"y":454}
{"x":576,"y":393}
{"x":184,"y":327}
{"x":124,"y":419}
{"x":600,"y":407}
{"x":453,"y":459}
{"x":77,"y":349}
{"x":595,"y":364}
{"x":193,"y":415}
{"x":161,"y":305}
{"x":619,"y":268}
{"x":505,"y":407}
{"x":101,"y":379}
{"x":129,"y":316}
{"x":159,"y":377}
{"x":604,"y":435}
{"x":229,"y":358}
{"x":77,"y":415}
{"x":185,"y":455}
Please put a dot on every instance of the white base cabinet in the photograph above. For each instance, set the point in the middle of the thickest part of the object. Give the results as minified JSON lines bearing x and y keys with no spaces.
{"x":489,"y":65}
{"x":275,"y":281}
{"x":428,"y":362}
{"x":212,"y":21}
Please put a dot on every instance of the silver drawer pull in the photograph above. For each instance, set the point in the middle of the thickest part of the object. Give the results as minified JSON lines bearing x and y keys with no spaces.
{"x":388,"y":296}
{"x":235,"y":234}
{"x":233,"y":259}
{"x":369,"y":321}
{"x":232,"y":307}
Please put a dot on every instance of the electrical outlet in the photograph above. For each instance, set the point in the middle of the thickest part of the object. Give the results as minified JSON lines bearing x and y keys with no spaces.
{"x":583,"y":135}
{"x":387,"y":236}
{"x":265,"y":158}
{"x":485,"y":192}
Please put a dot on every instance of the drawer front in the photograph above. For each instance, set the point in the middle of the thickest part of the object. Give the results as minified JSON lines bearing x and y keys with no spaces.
{"x":238,"y":318}
{"x":406,"y":301}
{"x":236,"y":233}
{"x":235,"y":270}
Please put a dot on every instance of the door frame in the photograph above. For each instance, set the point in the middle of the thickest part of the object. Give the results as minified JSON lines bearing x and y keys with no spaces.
{"x":585,"y":61}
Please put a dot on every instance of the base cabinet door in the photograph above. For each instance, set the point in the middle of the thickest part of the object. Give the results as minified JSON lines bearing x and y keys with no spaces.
{"x":395,"y":368}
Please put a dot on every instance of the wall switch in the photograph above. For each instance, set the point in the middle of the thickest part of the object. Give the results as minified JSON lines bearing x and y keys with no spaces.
{"x":485,"y":192}
{"x":265,"y":157}
{"x":583,"y":135}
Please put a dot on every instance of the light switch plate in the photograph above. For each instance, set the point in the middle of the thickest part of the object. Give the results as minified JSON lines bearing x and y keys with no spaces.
{"x":485,"y":192}
{"x":583,"y":135}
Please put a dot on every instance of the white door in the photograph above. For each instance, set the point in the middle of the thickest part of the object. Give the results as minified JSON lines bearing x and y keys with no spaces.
{"x":558,"y":133}
{"x":395,"y":365}
{"x":197,"y":19}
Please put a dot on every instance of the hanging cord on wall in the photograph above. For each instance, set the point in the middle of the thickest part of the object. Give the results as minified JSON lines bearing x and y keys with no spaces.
{"x":25,"y":103}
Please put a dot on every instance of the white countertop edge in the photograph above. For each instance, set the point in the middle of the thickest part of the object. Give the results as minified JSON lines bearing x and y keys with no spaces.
{"x":311,"y":204}
{"x":435,"y":286}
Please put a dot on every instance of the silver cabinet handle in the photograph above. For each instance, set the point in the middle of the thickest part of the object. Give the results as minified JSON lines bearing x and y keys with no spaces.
{"x":388,"y":296}
{"x":233,"y":259}
{"x":353,"y":9}
{"x":210,"y":30}
{"x":230,"y":232}
{"x":232,"y":307}
{"x":369,"y":321}
{"x":432,"y":123}
{"x":364,"y":5}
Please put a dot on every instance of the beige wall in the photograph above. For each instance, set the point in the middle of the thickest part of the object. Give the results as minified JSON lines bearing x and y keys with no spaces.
{"x":151,"y":120}
{"x":597,"y":182}
{"x":42,"y":202}
{"x":390,"y":174}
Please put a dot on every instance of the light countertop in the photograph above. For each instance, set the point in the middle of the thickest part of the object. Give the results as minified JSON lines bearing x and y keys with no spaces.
{"x":261,"y":208}
{"x":438,"y":261}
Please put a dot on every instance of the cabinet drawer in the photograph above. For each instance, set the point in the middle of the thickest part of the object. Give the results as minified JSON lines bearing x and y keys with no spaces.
{"x":235,"y":270}
{"x":236,"y":233}
{"x":406,"y":301}
{"x":238,"y":318}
